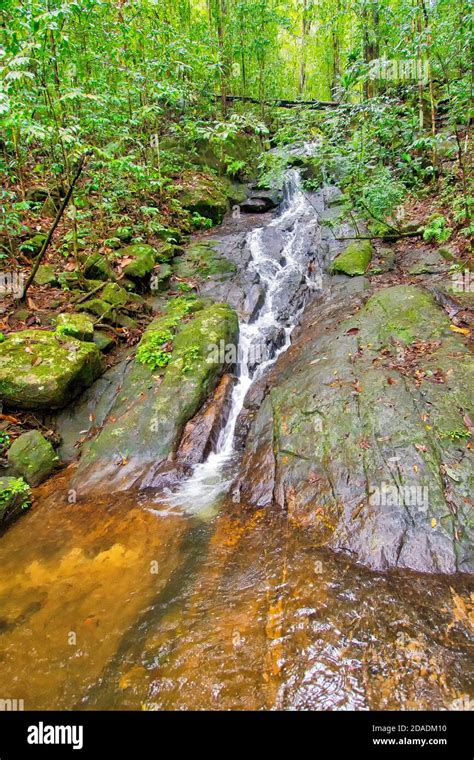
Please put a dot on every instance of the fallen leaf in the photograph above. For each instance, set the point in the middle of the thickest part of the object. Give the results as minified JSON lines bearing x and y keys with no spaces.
{"x":462,"y":330}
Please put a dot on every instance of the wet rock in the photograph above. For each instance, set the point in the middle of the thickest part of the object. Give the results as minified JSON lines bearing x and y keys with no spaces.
{"x":362,"y":436}
{"x":354,"y":260}
{"x":424,"y":261}
{"x":86,"y":416}
{"x":78,"y":326}
{"x":254,"y":300}
{"x":103,"y":340}
{"x":15,"y":496}
{"x":257,"y":204}
{"x":32,"y":457}
{"x":201,"y":433}
{"x":179,"y":367}
{"x":40,"y":370}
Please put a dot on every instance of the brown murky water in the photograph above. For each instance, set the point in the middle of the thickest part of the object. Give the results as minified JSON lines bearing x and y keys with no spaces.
{"x":110,"y":605}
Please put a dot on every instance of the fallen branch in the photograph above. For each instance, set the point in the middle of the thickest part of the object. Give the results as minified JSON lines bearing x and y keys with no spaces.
{"x":380,"y":237}
{"x":89,"y":294}
{"x":57,"y":219}
{"x":285,"y":103}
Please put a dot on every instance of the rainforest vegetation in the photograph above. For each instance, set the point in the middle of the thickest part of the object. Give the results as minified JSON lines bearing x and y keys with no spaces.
{"x":293,"y":179}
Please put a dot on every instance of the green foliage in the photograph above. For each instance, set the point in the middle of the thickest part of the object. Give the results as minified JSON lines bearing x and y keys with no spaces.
{"x":437,"y":229}
{"x":200,"y":222}
{"x":155,"y":352}
{"x":19,"y":492}
{"x":5,"y":441}
{"x":189,"y":356}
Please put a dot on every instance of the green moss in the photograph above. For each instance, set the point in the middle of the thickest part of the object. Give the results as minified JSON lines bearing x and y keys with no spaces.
{"x":204,"y":194}
{"x":77,"y":326}
{"x":354,"y":260}
{"x":203,"y":260}
{"x":45,"y":275}
{"x":32,"y":457}
{"x":115,"y":295}
{"x":40,"y":369}
{"x":143,"y":261}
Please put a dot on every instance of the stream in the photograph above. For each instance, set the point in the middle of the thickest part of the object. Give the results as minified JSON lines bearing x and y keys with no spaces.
{"x":285,"y":280}
{"x":189,"y":602}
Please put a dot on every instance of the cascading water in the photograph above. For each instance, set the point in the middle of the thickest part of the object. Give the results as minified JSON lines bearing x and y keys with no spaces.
{"x":286,"y":277}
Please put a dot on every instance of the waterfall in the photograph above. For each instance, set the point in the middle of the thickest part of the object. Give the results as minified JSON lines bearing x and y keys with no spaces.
{"x":282,"y":276}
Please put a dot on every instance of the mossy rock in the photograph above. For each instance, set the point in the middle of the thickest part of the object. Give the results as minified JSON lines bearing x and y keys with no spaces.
{"x":164,"y":252}
{"x":97,"y":267}
{"x":143,"y":261}
{"x":32,"y":457}
{"x":78,"y":326}
{"x":204,"y":194}
{"x":77,"y":281}
{"x":394,"y":420}
{"x":42,"y":370}
{"x":149,"y":414}
{"x":46,"y":275}
{"x":354,"y":260}
{"x":99,"y":308}
{"x":203,"y":260}
{"x":103,"y":340}
{"x":115,"y":295}
{"x":15,"y":496}
{"x":33,"y":245}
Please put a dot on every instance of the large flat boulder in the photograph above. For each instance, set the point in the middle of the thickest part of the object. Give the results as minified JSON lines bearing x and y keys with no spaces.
{"x":365,"y":434}
{"x":176,"y":369}
{"x":42,"y":370}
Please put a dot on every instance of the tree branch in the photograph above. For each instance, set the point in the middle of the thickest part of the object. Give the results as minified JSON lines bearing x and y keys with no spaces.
{"x":57,"y":219}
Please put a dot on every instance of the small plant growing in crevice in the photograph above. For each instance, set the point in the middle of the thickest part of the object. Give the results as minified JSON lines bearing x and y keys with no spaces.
{"x":155,"y":352}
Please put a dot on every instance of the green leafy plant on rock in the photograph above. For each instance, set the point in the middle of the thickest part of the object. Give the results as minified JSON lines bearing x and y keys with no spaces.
{"x":156,"y":351}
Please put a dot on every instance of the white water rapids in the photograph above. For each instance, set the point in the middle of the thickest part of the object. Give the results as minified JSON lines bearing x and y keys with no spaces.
{"x":212,"y":478}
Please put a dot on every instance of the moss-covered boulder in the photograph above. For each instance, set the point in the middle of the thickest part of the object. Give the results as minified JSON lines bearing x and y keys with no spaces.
{"x":354,"y":260}
{"x":115,"y":295}
{"x":97,"y":267}
{"x":15,"y":496}
{"x":46,"y":275}
{"x":204,"y":194}
{"x":143,"y":261}
{"x":78,"y":326}
{"x":42,"y":370}
{"x":32,"y":457}
{"x":116,"y":306}
{"x":365,"y":436}
{"x":177,"y":367}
